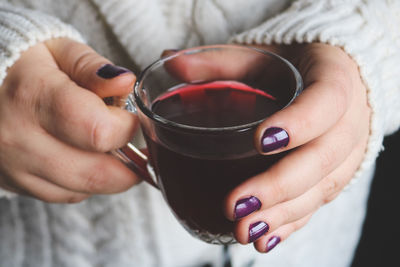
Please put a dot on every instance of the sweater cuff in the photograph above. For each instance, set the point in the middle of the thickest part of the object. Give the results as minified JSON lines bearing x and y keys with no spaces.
{"x":366,"y":30}
{"x":21,"y":29}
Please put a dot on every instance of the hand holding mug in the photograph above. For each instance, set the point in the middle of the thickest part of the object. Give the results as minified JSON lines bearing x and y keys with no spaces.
{"x":55,"y":127}
{"x":327,"y":128}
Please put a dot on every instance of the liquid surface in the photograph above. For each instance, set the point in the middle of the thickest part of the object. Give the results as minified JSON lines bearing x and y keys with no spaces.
{"x":215,"y":105}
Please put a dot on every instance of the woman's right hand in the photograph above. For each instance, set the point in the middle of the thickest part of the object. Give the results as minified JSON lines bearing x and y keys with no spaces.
{"x":55,"y":127}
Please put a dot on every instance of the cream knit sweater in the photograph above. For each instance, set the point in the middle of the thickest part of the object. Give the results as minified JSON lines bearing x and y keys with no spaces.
{"x":136,"y":228}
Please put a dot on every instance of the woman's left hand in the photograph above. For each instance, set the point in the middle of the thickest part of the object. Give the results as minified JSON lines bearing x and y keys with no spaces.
{"x":328,"y":124}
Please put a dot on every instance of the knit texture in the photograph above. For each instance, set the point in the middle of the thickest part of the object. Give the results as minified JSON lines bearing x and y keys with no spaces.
{"x":146,"y":28}
{"x":366,"y":31}
{"x":136,"y":228}
{"x":20,"y":29}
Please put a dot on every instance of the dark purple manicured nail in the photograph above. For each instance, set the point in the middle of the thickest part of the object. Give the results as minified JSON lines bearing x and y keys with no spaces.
{"x":272,"y":242}
{"x":274,"y":138}
{"x":109,"y":71}
{"x":245,"y":206}
{"x":256,"y":230}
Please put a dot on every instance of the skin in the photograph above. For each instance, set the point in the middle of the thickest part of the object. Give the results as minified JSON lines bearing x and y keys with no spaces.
{"x":329,"y":125}
{"x":55,"y":129}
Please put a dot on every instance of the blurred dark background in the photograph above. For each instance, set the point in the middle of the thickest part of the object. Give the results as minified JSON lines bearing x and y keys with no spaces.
{"x":380,"y":242}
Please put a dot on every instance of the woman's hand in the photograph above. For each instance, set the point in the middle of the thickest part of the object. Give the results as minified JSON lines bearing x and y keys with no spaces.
{"x":328,"y":125}
{"x":55,"y":127}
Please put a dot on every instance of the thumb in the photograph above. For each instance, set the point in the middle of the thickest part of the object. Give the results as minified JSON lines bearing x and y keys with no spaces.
{"x":90,"y":70}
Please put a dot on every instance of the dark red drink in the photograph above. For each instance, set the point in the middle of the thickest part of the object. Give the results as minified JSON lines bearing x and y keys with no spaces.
{"x":197,"y":168}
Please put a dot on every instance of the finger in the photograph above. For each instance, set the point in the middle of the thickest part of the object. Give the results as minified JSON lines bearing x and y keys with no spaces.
{"x":292,"y":210}
{"x":332,"y":85}
{"x":314,"y":112}
{"x":75,"y":170}
{"x":79,"y":117}
{"x":36,"y":187}
{"x":90,"y":70}
{"x":217,"y":63}
{"x":297,"y":172}
{"x":249,"y":229}
{"x":69,"y":112}
{"x":268,"y":242}
{"x":331,"y":186}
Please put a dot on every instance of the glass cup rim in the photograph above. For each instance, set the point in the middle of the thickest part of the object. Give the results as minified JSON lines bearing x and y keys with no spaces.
{"x":135,"y":102}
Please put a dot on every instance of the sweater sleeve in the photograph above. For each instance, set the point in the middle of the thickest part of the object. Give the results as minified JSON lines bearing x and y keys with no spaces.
{"x":21,"y":29}
{"x":368,"y":30}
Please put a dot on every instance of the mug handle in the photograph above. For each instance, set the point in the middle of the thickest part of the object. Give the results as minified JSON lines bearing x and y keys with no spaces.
{"x":136,"y":161}
{"x":130,"y":155}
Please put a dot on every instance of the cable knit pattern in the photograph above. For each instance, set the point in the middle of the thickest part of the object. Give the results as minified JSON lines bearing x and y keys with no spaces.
{"x":71,"y":232}
{"x":133,"y":18}
{"x":365,"y":30}
{"x":136,"y":228}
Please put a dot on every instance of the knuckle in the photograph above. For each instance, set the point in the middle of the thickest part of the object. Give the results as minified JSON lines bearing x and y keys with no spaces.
{"x":59,"y":106}
{"x":82,"y":63}
{"x":20,"y":93}
{"x":297,"y":126}
{"x":293,"y":227}
{"x":13,"y":84}
{"x":326,"y":158}
{"x":340,"y":98}
{"x":279,"y":191}
{"x":95,"y":181}
{"x":287,"y":215}
{"x":23,"y":91}
{"x":297,"y":225}
{"x":101,"y":137}
{"x":329,"y":188}
{"x":340,"y":93}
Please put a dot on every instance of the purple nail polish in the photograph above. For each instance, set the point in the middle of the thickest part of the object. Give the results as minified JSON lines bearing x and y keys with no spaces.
{"x":272,"y":242}
{"x":109,"y":71}
{"x":274,"y":138}
{"x":245,"y":206}
{"x":256,"y":230}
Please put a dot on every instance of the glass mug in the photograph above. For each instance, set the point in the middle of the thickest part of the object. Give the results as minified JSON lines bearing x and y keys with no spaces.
{"x":199,"y":109}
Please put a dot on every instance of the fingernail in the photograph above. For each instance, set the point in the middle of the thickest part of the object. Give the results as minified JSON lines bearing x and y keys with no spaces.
{"x":246,"y":206}
{"x":109,"y":71}
{"x":256,"y":230}
{"x":272,"y":242}
{"x":274,"y":138}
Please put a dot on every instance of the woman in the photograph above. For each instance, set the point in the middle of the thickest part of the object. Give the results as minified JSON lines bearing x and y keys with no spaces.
{"x":55,"y":128}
